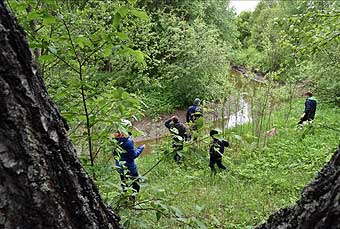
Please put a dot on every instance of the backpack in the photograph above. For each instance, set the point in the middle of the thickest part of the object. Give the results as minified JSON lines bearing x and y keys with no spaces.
{"x":196,"y":114}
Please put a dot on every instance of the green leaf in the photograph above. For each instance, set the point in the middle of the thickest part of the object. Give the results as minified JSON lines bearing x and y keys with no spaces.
{"x":158,"y":215}
{"x":49,"y":20}
{"x":33,"y":15}
{"x":237,"y":137}
{"x":82,"y":42}
{"x":108,"y":50}
{"x":199,"y":123}
{"x":177,"y":211}
{"x":138,"y":55}
{"x":121,"y":109}
{"x":92,"y":120}
{"x":122,"y":36}
{"x":37,"y":44}
{"x":132,"y":1}
{"x":116,"y":20}
{"x":52,"y":49}
{"x":200,"y":224}
{"x":198,"y":208}
{"x":123,"y":11}
{"x":18,"y":7}
{"x":141,"y":14}
{"x":47,"y":58}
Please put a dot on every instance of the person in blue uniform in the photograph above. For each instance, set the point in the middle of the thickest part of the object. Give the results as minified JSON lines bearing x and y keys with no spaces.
{"x":310,"y":108}
{"x":125,"y":158}
{"x":194,"y":112}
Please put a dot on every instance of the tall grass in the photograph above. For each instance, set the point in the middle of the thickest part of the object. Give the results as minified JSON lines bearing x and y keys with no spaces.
{"x":260,"y":180}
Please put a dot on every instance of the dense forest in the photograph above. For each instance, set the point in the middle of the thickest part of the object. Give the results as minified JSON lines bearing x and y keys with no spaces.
{"x":126,"y":66}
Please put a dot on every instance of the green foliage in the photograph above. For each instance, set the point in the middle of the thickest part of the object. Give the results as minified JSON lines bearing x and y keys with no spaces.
{"x":159,"y":101}
{"x":70,"y":42}
{"x":313,"y":38}
{"x":300,"y":43}
{"x":244,"y":26}
{"x":258,"y":182}
{"x":187,"y":44}
{"x":251,"y":58}
{"x":103,"y":61}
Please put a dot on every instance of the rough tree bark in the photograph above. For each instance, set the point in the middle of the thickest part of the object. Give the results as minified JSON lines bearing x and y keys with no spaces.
{"x":42,"y":182}
{"x":319,"y":206}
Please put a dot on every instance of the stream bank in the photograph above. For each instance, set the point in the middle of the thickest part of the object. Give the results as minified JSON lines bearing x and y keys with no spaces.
{"x":234,"y":111}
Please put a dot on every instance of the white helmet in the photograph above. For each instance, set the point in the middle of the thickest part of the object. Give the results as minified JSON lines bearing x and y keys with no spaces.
{"x":126,"y":124}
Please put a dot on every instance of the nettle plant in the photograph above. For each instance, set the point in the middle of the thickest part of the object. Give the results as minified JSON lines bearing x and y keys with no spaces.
{"x":72,"y":41}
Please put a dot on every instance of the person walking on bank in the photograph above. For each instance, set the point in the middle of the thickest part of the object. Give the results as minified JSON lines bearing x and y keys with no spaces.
{"x":180,"y":134}
{"x":126,"y":158}
{"x":310,"y":108}
{"x":194,"y":112}
{"x":216,"y":151}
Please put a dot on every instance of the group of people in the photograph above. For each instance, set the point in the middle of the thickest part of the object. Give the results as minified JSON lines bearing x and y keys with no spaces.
{"x":181,"y":133}
{"x":126,"y":153}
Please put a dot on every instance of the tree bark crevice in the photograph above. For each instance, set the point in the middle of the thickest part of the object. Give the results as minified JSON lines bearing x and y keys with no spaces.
{"x":42,"y":182}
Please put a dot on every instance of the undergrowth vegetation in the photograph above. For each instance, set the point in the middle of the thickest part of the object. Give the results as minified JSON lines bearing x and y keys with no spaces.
{"x":106,"y":61}
{"x":259,"y":180}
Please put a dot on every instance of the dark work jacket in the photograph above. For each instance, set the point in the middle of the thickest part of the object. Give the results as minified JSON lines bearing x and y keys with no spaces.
{"x":129,"y":154}
{"x":310,"y":108}
{"x":180,"y":127}
{"x":193,"y":113}
{"x":217,"y":148}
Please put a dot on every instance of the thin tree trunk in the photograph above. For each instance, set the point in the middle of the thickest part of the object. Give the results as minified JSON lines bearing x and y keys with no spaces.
{"x":252,"y":110}
{"x":42,"y":182}
{"x":291,"y":91}
{"x":263,"y":114}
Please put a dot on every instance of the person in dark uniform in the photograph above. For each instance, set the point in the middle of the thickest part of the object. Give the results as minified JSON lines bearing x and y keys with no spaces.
{"x":194,"y":112}
{"x":180,"y":134}
{"x":125,"y":158}
{"x":310,"y":108}
{"x":216,"y":151}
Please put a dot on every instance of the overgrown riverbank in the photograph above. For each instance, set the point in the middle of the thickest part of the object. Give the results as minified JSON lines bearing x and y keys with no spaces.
{"x":259,"y":181}
{"x":103,"y":62}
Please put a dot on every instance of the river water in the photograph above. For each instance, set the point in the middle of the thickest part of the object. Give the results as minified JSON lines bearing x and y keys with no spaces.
{"x":236,"y":111}
{"x":241,"y":116}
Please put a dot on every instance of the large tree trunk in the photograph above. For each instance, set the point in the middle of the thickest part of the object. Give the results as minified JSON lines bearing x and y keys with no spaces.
{"x":319,"y":206}
{"x":42,"y":182}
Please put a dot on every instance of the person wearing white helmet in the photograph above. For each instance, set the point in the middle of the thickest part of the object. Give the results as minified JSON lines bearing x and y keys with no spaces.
{"x":127,"y":125}
{"x":128,"y":154}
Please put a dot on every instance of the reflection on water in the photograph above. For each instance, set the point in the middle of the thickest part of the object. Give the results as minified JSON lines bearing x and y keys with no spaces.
{"x":242,"y":116}
{"x":154,"y":130}
{"x":239,"y":117}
